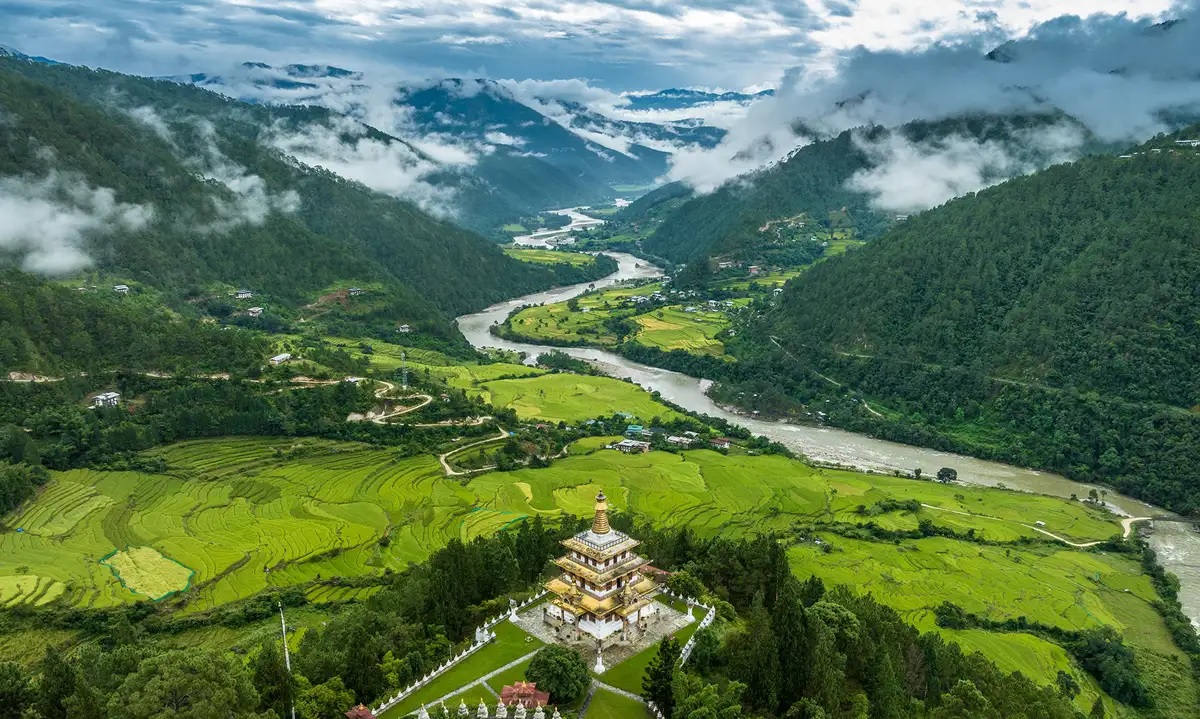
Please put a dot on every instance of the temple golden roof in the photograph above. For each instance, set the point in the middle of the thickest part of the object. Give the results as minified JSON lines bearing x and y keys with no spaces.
{"x":601,"y":576}
{"x":575,"y":602}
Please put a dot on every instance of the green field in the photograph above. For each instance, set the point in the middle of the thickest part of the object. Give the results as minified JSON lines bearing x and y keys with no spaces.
{"x":247,"y":514}
{"x":549,"y":257}
{"x":667,"y":328}
{"x":250,"y":514}
{"x":572,"y":398}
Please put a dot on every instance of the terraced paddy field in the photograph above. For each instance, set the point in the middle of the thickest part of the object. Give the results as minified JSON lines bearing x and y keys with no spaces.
{"x":549,"y":257}
{"x":249,"y":514}
{"x":672,"y":328}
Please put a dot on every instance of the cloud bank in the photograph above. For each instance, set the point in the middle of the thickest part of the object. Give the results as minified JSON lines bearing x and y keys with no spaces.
{"x":47,"y":221}
{"x":1122,"y":77}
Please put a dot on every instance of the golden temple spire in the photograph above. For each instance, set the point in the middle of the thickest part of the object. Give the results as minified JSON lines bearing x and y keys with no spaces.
{"x":600,"y":523}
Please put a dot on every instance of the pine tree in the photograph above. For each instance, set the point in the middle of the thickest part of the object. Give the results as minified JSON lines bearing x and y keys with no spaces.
{"x":659,"y":680}
{"x":826,"y":669}
{"x":755,"y":659}
{"x":787,"y":623}
{"x":1097,"y":711}
{"x":57,"y":684}
{"x":275,"y":685}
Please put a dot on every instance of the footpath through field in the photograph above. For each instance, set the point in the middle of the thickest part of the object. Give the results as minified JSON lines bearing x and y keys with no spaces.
{"x":451,"y":472}
{"x":1126,"y":526}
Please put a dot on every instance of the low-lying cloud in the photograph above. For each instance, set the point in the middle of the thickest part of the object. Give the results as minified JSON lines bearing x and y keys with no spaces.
{"x":1120,"y":77}
{"x":391,"y":167}
{"x":47,"y":221}
{"x":909,"y":176}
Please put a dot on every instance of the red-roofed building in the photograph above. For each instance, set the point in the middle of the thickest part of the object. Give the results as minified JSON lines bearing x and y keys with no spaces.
{"x":524,"y":693}
{"x":360,"y":712}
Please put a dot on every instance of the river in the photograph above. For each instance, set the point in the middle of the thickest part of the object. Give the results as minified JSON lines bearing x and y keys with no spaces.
{"x":1177,"y":545}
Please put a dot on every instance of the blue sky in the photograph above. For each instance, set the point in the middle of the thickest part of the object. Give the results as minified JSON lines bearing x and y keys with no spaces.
{"x":616,"y":44}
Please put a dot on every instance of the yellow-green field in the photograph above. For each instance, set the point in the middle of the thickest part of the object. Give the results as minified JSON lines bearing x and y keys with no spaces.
{"x":146,"y":571}
{"x":671,"y":328}
{"x":549,"y":257}
{"x":250,"y":514}
{"x":666,"y":328}
{"x":247,"y":514}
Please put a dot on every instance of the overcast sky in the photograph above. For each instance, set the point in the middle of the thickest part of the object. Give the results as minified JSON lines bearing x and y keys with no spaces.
{"x":617,"y":44}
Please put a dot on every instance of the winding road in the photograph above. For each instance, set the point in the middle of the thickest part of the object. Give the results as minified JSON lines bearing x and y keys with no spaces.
{"x":1126,"y":526}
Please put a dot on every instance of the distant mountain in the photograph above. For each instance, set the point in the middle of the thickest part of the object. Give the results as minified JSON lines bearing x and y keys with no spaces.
{"x":180,"y":189}
{"x":485,"y":112}
{"x":677,"y":99}
{"x":487,"y":140}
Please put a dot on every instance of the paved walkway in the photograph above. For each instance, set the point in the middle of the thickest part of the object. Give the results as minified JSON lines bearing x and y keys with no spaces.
{"x":669,"y":622}
{"x":483,"y":679}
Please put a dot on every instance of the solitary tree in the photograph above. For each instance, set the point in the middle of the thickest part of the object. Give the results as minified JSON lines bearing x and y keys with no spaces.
{"x":559,"y":671}
{"x":659,"y":680}
{"x":947,"y":475}
{"x":1067,"y":686}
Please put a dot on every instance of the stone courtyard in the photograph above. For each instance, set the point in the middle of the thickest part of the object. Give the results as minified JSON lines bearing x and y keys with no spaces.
{"x":669,"y":622}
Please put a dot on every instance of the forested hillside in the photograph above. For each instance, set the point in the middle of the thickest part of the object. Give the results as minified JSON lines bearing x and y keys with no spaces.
{"x":1053,"y":320}
{"x":53,"y":328}
{"x":812,"y":181}
{"x":194,"y":198}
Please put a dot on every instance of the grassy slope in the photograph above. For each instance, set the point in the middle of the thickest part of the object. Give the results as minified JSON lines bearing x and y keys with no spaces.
{"x":572,"y":398}
{"x":549,"y":257}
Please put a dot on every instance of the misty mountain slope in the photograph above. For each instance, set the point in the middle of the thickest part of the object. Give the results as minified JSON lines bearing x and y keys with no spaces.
{"x":862,"y":176}
{"x":1084,"y":276}
{"x":503,"y":154}
{"x":186,"y":195}
{"x":481,"y":109}
{"x":681,"y":99}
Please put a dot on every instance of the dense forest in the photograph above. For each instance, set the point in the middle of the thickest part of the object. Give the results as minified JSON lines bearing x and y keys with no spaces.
{"x":53,"y":328}
{"x":1052,"y":321}
{"x":193,"y":197}
{"x":812,"y":181}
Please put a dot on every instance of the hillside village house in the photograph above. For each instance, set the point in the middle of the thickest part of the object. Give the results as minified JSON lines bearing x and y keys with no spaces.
{"x":680,"y":441}
{"x":722,"y":443}
{"x":280,"y":359}
{"x":405,"y":329}
{"x":632,"y":446}
{"x":255,"y":311}
{"x":243,"y":294}
{"x":356,"y":291}
{"x":106,"y":399}
{"x":755,"y":269}
{"x":121,"y":289}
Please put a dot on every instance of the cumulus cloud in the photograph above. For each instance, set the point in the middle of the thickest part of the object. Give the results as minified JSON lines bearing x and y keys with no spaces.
{"x":909,"y":176}
{"x":1120,"y":76}
{"x":344,"y":147}
{"x":47,"y":221}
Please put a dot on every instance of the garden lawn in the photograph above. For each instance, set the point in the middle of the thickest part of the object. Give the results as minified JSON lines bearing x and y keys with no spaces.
{"x":628,"y":674}
{"x":608,"y":705}
{"x":511,"y":644}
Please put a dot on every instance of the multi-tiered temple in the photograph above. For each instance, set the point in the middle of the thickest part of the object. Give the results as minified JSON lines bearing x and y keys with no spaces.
{"x":603,"y":592}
